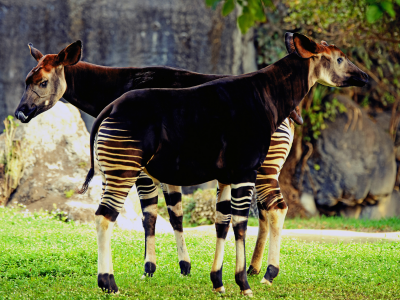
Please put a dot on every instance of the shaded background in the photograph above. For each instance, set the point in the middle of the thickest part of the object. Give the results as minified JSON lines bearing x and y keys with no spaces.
{"x":344,"y":159}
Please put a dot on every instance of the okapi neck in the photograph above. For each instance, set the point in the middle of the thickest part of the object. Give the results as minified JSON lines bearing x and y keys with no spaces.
{"x":91,"y":87}
{"x":286,"y":83}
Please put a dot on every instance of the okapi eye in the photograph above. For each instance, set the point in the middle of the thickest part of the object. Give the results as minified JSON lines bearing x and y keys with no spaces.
{"x":339,"y":60}
{"x":43,"y":84}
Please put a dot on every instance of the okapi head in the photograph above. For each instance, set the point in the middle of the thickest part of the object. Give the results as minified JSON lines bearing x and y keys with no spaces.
{"x":328,"y":65}
{"x":46,"y":84}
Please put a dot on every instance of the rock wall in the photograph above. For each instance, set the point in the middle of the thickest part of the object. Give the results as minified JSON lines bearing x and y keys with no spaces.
{"x":177,"y":33}
{"x":352,"y":169}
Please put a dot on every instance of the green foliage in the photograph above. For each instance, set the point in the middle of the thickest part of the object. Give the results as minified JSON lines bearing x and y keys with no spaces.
{"x":318,"y":112}
{"x":13,"y":160}
{"x":368,"y":31}
{"x":269,"y":39}
{"x":192,"y":215}
{"x":376,"y":9}
{"x":82,"y":164}
{"x":41,"y":258}
{"x":69,"y":193}
{"x":252,"y":11}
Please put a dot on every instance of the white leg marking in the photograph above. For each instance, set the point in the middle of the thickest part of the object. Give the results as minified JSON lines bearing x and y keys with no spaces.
{"x":263,"y":228}
{"x":276,"y":217}
{"x":104,"y":230}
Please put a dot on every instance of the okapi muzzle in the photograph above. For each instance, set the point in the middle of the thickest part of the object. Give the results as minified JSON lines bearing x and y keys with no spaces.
{"x":46,"y":84}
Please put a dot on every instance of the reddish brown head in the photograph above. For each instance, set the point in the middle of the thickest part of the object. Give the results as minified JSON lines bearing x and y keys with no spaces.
{"x":328,"y":65}
{"x":46,"y":84}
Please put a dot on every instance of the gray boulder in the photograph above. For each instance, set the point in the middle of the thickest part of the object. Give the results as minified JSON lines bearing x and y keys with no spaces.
{"x":357,"y":167}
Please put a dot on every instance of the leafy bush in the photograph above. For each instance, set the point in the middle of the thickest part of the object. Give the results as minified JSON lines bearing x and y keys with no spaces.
{"x":318,"y":111}
{"x":13,"y":160}
{"x":198,"y":208}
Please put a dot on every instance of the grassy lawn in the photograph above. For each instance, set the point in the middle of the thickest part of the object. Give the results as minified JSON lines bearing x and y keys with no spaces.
{"x":41,"y":258}
{"x":340,"y":223}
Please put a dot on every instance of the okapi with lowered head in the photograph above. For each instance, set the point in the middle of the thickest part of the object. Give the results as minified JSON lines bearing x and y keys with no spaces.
{"x":218,"y":130}
{"x":91,"y":88}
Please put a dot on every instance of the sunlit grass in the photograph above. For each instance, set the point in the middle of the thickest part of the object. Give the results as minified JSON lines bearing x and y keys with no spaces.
{"x":41,"y":258}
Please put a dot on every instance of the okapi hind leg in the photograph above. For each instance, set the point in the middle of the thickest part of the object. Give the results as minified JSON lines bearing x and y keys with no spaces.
{"x":148,"y":195}
{"x":120,"y":159}
{"x":173,"y":199}
{"x":262,"y":236}
{"x":105,"y":275}
{"x":222,"y":221}
{"x":276,"y":217}
{"x":241,"y":200}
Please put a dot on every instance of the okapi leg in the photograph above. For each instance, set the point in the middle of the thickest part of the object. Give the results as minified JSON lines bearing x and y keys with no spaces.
{"x":276,"y":217}
{"x":222,"y":221}
{"x":120,"y":160}
{"x":148,"y":195}
{"x":269,"y":195}
{"x":241,"y":200}
{"x":173,"y":199}
{"x":105,"y":277}
{"x":263,"y":228}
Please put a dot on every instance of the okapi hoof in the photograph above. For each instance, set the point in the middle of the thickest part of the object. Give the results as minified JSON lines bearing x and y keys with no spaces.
{"x":146,"y":275}
{"x":252,"y":271}
{"x":149,"y":269}
{"x":185,"y":267}
{"x":107,"y":283}
{"x":220,"y":290}
{"x":269,"y":276}
{"x":247,"y":293}
{"x":266,"y":282}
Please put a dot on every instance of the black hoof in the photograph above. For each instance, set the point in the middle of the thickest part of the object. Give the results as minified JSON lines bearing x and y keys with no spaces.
{"x":252,"y":271}
{"x":271,"y":273}
{"x":216,"y":279}
{"x":107,"y":283}
{"x":149,"y":269}
{"x":185,"y":267}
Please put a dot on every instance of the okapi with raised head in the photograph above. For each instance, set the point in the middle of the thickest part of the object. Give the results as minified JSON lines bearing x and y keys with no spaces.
{"x":218,"y":130}
{"x":91,"y":88}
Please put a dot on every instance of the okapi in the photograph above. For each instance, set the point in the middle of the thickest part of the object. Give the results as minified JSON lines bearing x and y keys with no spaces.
{"x":91,"y":88}
{"x":218,"y":130}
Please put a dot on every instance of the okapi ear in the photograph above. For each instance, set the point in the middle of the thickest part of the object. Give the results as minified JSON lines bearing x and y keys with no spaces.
{"x":295,"y":115}
{"x":289,"y":42}
{"x":70,"y":55}
{"x":323,"y":43}
{"x":305,"y":47}
{"x":35,"y":52}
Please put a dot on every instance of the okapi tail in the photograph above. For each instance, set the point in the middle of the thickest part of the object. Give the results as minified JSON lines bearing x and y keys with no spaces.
{"x":95,"y":128}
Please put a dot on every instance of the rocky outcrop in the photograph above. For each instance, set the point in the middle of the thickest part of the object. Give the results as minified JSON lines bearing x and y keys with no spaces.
{"x":177,"y":33}
{"x":352,"y":169}
{"x":57,"y":159}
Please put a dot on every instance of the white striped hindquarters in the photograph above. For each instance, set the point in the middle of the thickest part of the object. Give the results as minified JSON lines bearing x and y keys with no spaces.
{"x":119,"y":158}
{"x":267,"y":185}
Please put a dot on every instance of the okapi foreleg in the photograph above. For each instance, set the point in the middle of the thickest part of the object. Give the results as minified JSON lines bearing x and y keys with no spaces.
{"x":173,"y":199}
{"x":222,"y":221}
{"x":241,"y":200}
{"x":148,"y":196}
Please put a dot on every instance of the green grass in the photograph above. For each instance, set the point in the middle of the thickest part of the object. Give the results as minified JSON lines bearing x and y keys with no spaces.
{"x":323,"y":222}
{"x":42,"y":258}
